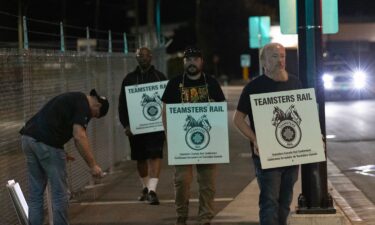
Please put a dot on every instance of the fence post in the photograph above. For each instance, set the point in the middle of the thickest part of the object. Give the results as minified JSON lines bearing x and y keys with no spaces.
{"x":62,"y":42}
{"x":111,"y":114}
{"x":87,"y":33}
{"x":125,"y":44}
{"x":109,"y":41}
{"x":25,"y":37}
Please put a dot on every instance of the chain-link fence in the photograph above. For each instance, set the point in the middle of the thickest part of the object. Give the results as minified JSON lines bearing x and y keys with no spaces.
{"x":24,"y":33}
{"x":29,"y":79}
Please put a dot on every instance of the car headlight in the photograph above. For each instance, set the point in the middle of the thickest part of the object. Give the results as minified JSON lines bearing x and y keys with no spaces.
{"x":327,"y":80}
{"x":359,"y":79}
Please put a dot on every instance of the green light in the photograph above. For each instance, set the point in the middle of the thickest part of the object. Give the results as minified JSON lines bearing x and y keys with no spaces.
{"x":259,"y":29}
{"x":288,"y":16}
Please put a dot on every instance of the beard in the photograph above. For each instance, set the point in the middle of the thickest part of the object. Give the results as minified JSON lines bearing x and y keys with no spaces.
{"x":192,"y":70}
{"x":281,"y":75}
{"x":278,"y":74}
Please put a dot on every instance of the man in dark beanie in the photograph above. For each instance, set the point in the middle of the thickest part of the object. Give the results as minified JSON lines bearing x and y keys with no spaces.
{"x":43,"y":137}
{"x":193,"y":86}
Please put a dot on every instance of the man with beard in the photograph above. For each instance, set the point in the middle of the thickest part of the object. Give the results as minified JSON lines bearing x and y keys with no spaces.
{"x":276,"y":185}
{"x":193,"y":86}
{"x":147,"y":148}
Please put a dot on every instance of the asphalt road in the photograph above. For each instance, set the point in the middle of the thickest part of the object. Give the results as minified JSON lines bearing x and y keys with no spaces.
{"x":350,"y":129}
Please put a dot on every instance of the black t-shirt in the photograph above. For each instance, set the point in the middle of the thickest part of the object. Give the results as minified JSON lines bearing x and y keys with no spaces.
{"x":53,"y":124}
{"x":263,"y":84}
{"x":181,"y":89}
{"x":133,"y":78}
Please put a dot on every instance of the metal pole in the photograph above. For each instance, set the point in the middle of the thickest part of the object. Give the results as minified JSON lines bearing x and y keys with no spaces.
{"x":150,"y":15}
{"x":19,"y":21}
{"x":109,"y":41}
{"x":110,"y":119}
{"x":62,"y":42}
{"x":314,"y":198}
{"x":25,"y":37}
{"x":87,"y":33}
{"x":260,"y":45}
{"x":158,"y":22}
{"x":126,"y":50}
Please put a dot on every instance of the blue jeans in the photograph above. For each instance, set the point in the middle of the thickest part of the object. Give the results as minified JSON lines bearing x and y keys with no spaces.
{"x":46,"y":164}
{"x":276,"y":192}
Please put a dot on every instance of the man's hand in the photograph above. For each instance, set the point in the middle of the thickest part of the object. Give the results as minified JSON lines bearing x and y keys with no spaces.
{"x":256,"y":148}
{"x":240,"y":122}
{"x":96,"y":171}
{"x":128,"y":131}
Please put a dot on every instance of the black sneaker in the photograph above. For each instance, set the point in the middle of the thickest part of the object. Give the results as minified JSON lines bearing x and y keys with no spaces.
{"x":153,"y":198}
{"x":143,"y":196}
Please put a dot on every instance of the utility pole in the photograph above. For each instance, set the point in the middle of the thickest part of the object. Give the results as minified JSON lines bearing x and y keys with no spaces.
{"x":20,"y":27}
{"x":150,"y":14}
{"x":158,"y":22}
{"x":315,"y":198}
{"x":150,"y":23}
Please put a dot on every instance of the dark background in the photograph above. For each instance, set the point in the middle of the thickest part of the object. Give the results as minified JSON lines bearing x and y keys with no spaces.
{"x":219,"y":27}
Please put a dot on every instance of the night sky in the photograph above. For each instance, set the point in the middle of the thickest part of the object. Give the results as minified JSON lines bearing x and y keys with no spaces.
{"x":113,"y":13}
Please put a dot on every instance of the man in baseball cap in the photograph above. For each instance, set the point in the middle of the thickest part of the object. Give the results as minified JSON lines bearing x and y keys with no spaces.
{"x":192,"y":51}
{"x":43,"y":137}
{"x":103,"y":101}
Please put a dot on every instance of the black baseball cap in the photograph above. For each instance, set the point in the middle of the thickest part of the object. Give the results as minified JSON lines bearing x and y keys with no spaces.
{"x":192,"y":51}
{"x":103,"y":101}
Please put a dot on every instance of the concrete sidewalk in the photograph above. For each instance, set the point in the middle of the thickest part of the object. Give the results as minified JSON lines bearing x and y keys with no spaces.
{"x":113,"y":202}
{"x":243,"y":211}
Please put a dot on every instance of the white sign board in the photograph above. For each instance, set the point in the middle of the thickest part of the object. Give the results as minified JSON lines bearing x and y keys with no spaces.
{"x":287,"y":128}
{"x":197,"y":133}
{"x":145,"y":106}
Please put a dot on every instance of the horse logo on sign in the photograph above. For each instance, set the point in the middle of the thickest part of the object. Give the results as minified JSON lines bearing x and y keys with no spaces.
{"x":151,"y":106}
{"x":197,"y":132}
{"x":288,"y":133}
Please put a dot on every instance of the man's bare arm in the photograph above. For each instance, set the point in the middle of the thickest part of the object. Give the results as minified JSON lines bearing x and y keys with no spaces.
{"x":240,"y":122}
{"x":82,"y":143}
